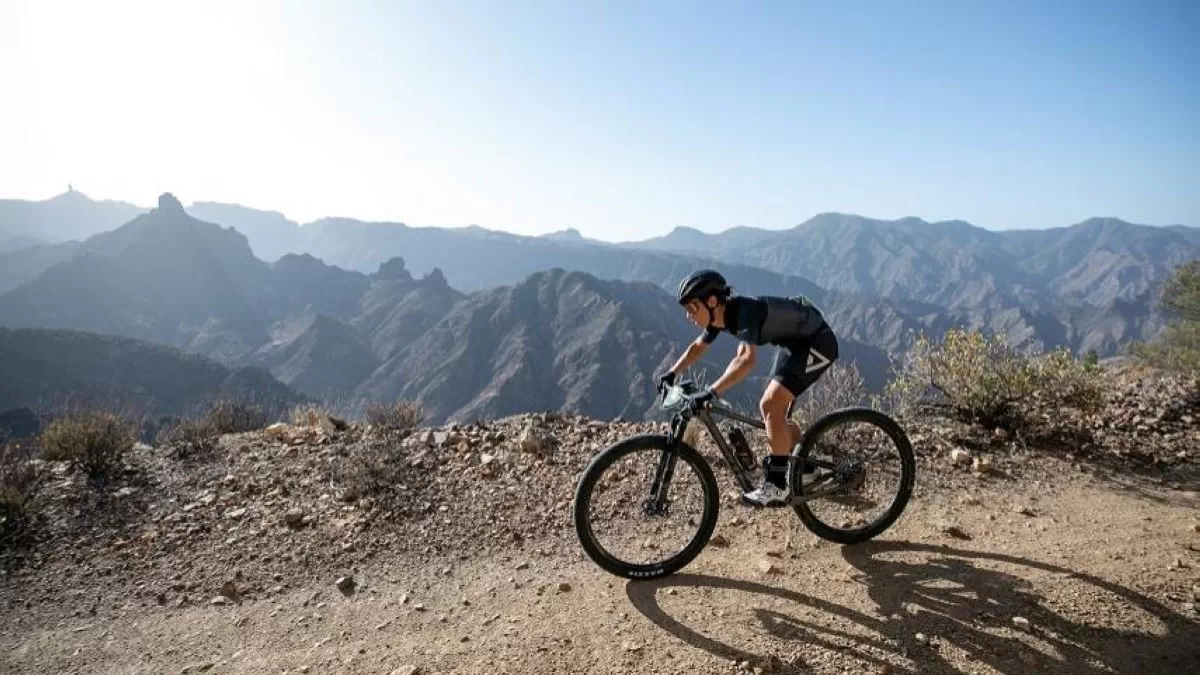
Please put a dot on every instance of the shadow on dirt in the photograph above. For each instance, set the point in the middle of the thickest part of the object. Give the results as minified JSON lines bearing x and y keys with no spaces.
{"x":963,"y":600}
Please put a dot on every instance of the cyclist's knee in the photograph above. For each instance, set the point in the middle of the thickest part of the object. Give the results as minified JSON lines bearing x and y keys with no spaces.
{"x":774,"y":405}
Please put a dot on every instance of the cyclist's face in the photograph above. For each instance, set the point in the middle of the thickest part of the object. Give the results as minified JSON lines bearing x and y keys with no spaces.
{"x":697,"y":313}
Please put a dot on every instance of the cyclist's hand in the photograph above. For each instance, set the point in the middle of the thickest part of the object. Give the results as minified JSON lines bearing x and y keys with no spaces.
{"x":665,"y":380}
{"x":702,"y":399}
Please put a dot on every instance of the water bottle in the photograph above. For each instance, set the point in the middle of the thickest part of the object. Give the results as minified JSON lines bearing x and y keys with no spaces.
{"x":741,"y":449}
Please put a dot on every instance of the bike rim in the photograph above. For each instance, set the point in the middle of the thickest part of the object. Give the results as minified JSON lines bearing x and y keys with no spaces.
{"x":863,"y":466}
{"x":628,"y":525}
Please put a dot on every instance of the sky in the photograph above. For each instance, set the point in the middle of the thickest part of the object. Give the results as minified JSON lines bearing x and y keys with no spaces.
{"x":620,"y":119}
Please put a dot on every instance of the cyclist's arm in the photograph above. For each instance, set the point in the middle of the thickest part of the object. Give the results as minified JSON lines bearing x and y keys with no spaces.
{"x":691,"y":355}
{"x":738,"y":368}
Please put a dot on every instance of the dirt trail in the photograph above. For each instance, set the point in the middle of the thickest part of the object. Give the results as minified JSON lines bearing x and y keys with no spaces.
{"x":1063,"y":572}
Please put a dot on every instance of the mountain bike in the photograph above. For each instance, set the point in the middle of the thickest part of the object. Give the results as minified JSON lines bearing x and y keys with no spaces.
{"x":646,"y":506}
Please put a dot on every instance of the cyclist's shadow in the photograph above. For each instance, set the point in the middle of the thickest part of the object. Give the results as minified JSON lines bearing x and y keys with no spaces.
{"x":957,"y":597}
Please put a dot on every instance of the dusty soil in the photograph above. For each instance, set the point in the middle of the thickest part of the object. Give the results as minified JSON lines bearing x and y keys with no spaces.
{"x":1067,"y":569}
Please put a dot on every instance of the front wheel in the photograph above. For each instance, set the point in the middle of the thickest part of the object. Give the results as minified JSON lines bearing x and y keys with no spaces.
{"x":642,"y":510}
{"x":864,"y":470}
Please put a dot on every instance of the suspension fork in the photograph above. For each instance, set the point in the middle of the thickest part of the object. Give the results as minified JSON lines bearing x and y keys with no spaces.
{"x":657,"y":503}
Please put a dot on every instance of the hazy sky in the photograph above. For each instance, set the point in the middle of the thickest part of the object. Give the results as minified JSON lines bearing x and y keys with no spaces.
{"x":621,"y":119}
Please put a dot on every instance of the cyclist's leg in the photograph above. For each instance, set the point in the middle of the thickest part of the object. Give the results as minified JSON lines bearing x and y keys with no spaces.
{"x":800,"y":366}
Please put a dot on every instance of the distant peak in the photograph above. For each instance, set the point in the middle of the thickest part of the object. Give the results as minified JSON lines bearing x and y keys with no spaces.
{"x":436,"y":278}
{"x":684,"y":229}
{"x":569,"y":233}
{"x":394,"y":269}
{"x":167,"y":202}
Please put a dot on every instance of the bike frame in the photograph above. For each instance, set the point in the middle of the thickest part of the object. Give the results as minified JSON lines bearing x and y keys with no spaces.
{"x":679,"y":424}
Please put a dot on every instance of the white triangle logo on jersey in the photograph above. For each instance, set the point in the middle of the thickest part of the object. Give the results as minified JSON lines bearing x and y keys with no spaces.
{"x":816,"y":361}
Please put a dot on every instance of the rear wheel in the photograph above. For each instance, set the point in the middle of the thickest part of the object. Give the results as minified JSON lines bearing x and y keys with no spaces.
{"x":642,"y":511}
{"x":865,"y":462}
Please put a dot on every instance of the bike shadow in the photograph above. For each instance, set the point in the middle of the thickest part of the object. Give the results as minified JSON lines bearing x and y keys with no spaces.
{"x":963,"y":600}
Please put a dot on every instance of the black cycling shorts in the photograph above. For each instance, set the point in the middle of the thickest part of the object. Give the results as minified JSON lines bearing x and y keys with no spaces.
{"x":800,"y":364}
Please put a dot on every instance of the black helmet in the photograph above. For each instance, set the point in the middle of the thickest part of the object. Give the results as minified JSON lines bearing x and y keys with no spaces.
{"x":699,"y":285}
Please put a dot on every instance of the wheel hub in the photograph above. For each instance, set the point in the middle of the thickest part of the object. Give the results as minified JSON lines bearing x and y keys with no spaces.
{"x":851,"y":473}
{"x":653,"y":507}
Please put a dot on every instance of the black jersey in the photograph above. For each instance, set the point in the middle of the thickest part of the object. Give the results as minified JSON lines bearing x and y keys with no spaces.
{"x":770,"y":320}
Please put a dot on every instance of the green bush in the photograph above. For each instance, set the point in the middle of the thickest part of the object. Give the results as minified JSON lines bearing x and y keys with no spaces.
{"x":94,"y":441}
{"x":983,"y":380}
{"x":1178,"y":348}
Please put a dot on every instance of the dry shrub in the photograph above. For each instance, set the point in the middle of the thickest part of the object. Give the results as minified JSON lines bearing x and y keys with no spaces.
{"x":981,"y":379}
{"x":232,"y":417}
{"x":21,"y":479}
{"x":309,"y":415}
{"x":841,"y":386}
{"x":372,"y":469}
{"x":95,"y":441}
{"x":188,"y":438}
{"x":403,"y":416}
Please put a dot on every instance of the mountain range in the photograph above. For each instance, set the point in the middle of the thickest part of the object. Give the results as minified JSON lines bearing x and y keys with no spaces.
{"x":48,"y":370}
{"x":503,"y":323}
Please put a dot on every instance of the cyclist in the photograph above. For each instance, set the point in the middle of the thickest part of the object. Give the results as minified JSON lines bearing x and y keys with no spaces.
{"x":807,"y":347}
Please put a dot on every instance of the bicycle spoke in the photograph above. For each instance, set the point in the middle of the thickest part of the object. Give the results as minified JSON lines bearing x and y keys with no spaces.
{"x":647,"y":507}
{"x":864,"y":477}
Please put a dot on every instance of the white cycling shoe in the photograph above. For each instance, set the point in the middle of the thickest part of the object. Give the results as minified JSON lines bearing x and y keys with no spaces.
{"x":768,"y":494}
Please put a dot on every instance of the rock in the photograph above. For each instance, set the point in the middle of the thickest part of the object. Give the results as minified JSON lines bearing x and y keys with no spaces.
{"x":407,"y":670}
{"x":719,"y":541}
{"x":564,"y":587}
{"x":331,"y":425}
{"x":219,"y":600}
{"x":957,"y":532}
{"x":418,"y":607}
{"x":294,"y":517}
{"x":981,"y":465}
{"x":236,"y":513}
{"x":486,"y":459}
{"x":959,"y":456}
{"x":1001,"y":434}
{"x":767,"y":567}
{"x":771,"y":664}
{"x":532,"y":442}
{"x":346,"y":584}
{"x":1179,"y":564}
{"x":277,"y":431}
{"x":632,"y":647}
{"x":1026,"y":511}
{"x":522,"y":566}
{"x":384,"y":625}
{"x":1021,"y":622}
{"x":922,"y":638}
{"x":230,"y":590}
{"x":126,"y":492}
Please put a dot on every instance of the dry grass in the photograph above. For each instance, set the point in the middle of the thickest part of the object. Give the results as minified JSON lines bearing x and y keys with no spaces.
{"x":233,"y":417}
{"x":309,"y":415}
{"x":403,"y":416}
{"x":21,"y":480}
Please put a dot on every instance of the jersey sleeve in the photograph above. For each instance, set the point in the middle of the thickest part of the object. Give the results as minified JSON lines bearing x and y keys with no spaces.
{"x":709,"y":335}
